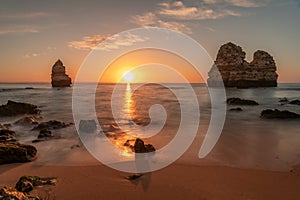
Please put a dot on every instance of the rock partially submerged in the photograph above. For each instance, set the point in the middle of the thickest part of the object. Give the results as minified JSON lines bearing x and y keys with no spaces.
{"x":236,"y":109}
{"x":238,"y":101}
{"x":52,"y":124}
{"x":16,"y":152}
{"x":26,"y":121}
{"x":59,"y":78}
{"x":235,"y":71}
{"x":295,"y":102}
{"x":13,"y":108}
{"x":277,"y":114}
{"x":7,"y":135}
{"x":140,"y":147}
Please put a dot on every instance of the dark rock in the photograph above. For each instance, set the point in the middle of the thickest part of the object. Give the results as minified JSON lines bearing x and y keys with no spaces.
{"x":238,"y":101}
{"x":52,"y":124}
{"x":7,"y":135}
{"x":44,"y":133}
{"x":277,"y":114}
{"x":5,"y":126}
{"x":236,"y":109}
{"x":88,"y":126}
{"x":29,"y":88}
{"x":24,"y":186}
{"x":59,"y":78}
{"x":26,"y":121}
{"x":295,"y":102}
{"x":16,"y":153}
{"x":134,"y":176}
{"x":231,"y":67}
{"x":282,"y":100}
{"x":15,"y":108}
{"x":140,"y":147}
{"x":9,"y":193}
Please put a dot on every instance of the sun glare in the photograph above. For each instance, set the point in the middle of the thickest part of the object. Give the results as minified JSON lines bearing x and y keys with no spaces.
{"x":128,"y":76}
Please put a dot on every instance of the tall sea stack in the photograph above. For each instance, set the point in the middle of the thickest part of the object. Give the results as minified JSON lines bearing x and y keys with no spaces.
{"x":59,"y":78}
{"x":237,"y":72}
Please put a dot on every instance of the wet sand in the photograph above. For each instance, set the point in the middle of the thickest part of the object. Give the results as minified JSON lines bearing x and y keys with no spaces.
{"x":177,"y":181}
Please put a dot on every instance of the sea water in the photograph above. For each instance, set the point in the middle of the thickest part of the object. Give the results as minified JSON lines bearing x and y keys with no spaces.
{"x":246,"y":141}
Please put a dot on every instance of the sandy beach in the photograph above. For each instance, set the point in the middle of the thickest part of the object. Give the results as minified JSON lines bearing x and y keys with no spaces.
{"x":174,"y":182}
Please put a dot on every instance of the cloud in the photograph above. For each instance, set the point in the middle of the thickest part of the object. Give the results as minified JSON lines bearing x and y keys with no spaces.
{"x":108,"y":42}
{"x":30,"y":55}
{"x":18,"y":29}
{"x":150,"y":19}
{"x":88,"y":42}
{"x":237,"y":3}
{"x":179,"y":11}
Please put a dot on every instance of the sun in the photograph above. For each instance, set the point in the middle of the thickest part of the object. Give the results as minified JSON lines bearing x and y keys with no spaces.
{"x":128,"y":76}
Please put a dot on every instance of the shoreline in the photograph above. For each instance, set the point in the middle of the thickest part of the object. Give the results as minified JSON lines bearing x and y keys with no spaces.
{"x":177,"y":181}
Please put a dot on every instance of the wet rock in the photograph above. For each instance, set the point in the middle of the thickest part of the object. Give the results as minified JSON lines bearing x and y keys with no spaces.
{"x":236,"y":109}
{"x":9,"y":193}
{"x":52,"y":124}
{"x":236,"y":72}
{"x":26,"y":121}
{"x":5,"y":126}
{"x":140,"y":147}
{"x":238,"y":101}
{"x":16,"y":153}
{"x":295,"y":102}
{"x":27,"y":183}
{"x":277,"y":114}
{"x":15,"y":108}
{"x":88,"y":126}
{"x":283,"y":100}
{"x":59,"y":78}
{"x":45,"y":133}
{"x":7,"y":135}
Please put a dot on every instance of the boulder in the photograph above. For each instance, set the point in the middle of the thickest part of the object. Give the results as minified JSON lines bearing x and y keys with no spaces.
{"x":15,"y":108}
{"x":16,"y":153}
{"x":231,"y":67}
{"x":236,"y":109}
{"x":88,"y":126}
{"x":295,"y":102}
{"x":27,"y":183}
{"x":277,"y":114}
{"x":140,"y":147}
{"x":283,"y":100}
{"x":26,"y":121}
{"x":238,"y":101}
{"x":59,"y":78}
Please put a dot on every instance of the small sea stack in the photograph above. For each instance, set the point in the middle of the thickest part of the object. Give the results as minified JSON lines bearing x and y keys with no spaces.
{"x":59,"y":78}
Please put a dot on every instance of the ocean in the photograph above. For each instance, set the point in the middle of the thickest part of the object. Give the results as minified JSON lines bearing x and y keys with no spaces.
{"x":247,"y":141}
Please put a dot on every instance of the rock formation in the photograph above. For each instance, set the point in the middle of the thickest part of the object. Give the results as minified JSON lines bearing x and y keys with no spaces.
{"x":59,"y":76}
{"x":17,"y":108}
{"x":237,"y":72}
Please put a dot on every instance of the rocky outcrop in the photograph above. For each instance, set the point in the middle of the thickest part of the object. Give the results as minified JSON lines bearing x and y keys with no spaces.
{"x":16,"y":152}
{"x":15,"y":108}
{"x":238,"y":101}
{"x":235,"y":71}
{"x":140,"y":147}
{"x":27,"y":183}
{"x":59,"y":78}
{"x":277,"y":114}
{"x":52,"y":124}
{"x":295,"y":102}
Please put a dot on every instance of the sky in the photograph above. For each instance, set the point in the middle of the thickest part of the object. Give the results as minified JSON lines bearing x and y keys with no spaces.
{"x":34,"y":34}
